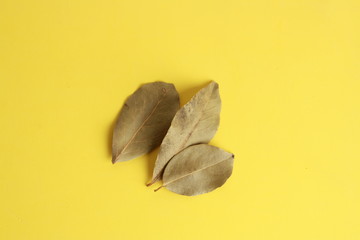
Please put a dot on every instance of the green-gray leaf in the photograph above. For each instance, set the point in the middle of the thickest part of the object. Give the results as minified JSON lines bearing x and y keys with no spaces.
{"x":144,"y":120}
{"x":198,"y":169}
{"x":194,"y":123}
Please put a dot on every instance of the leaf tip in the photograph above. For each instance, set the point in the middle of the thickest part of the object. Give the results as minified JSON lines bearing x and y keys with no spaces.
{"x":212,"y":82}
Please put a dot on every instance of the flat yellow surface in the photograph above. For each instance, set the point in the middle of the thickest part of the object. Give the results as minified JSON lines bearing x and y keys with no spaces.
{"x":289,"y":76}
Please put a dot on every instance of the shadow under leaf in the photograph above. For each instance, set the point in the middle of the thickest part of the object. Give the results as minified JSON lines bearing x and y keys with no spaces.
{"x":110,"y":134}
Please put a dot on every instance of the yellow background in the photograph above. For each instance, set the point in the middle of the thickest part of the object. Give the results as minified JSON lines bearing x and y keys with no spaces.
{"x":289,"y":75}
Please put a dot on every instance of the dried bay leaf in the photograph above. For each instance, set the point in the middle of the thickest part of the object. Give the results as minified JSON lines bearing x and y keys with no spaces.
{"x":144,"y":120}
{"x":196,"y":122}
{"x":198,"y":169}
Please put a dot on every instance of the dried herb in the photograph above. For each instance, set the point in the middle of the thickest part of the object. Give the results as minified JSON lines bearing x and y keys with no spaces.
{"x":198,"y":169}
{"x":196,"y":122}
{"x":144,"y":120}
{"x":186,"y":163}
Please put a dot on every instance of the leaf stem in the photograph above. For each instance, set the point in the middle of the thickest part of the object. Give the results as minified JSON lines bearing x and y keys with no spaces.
{"x":154,"y":180}
{"x":155,"y":190}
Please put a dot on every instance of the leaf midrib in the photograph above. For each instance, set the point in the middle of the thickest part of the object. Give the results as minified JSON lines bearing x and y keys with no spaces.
{"x":141,"y":126}
{"x":201,"y":169}
{"x":182,"y":146}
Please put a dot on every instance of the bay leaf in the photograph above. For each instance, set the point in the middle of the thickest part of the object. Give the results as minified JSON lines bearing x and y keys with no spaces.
{"x":196,"y":122}
{"x":198,"y":169}
{"x":144,"y":120}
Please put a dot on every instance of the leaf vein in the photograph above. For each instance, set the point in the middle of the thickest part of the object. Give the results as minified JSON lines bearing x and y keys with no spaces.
{"x":201,"y":169}
{"x":142,"y":125}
